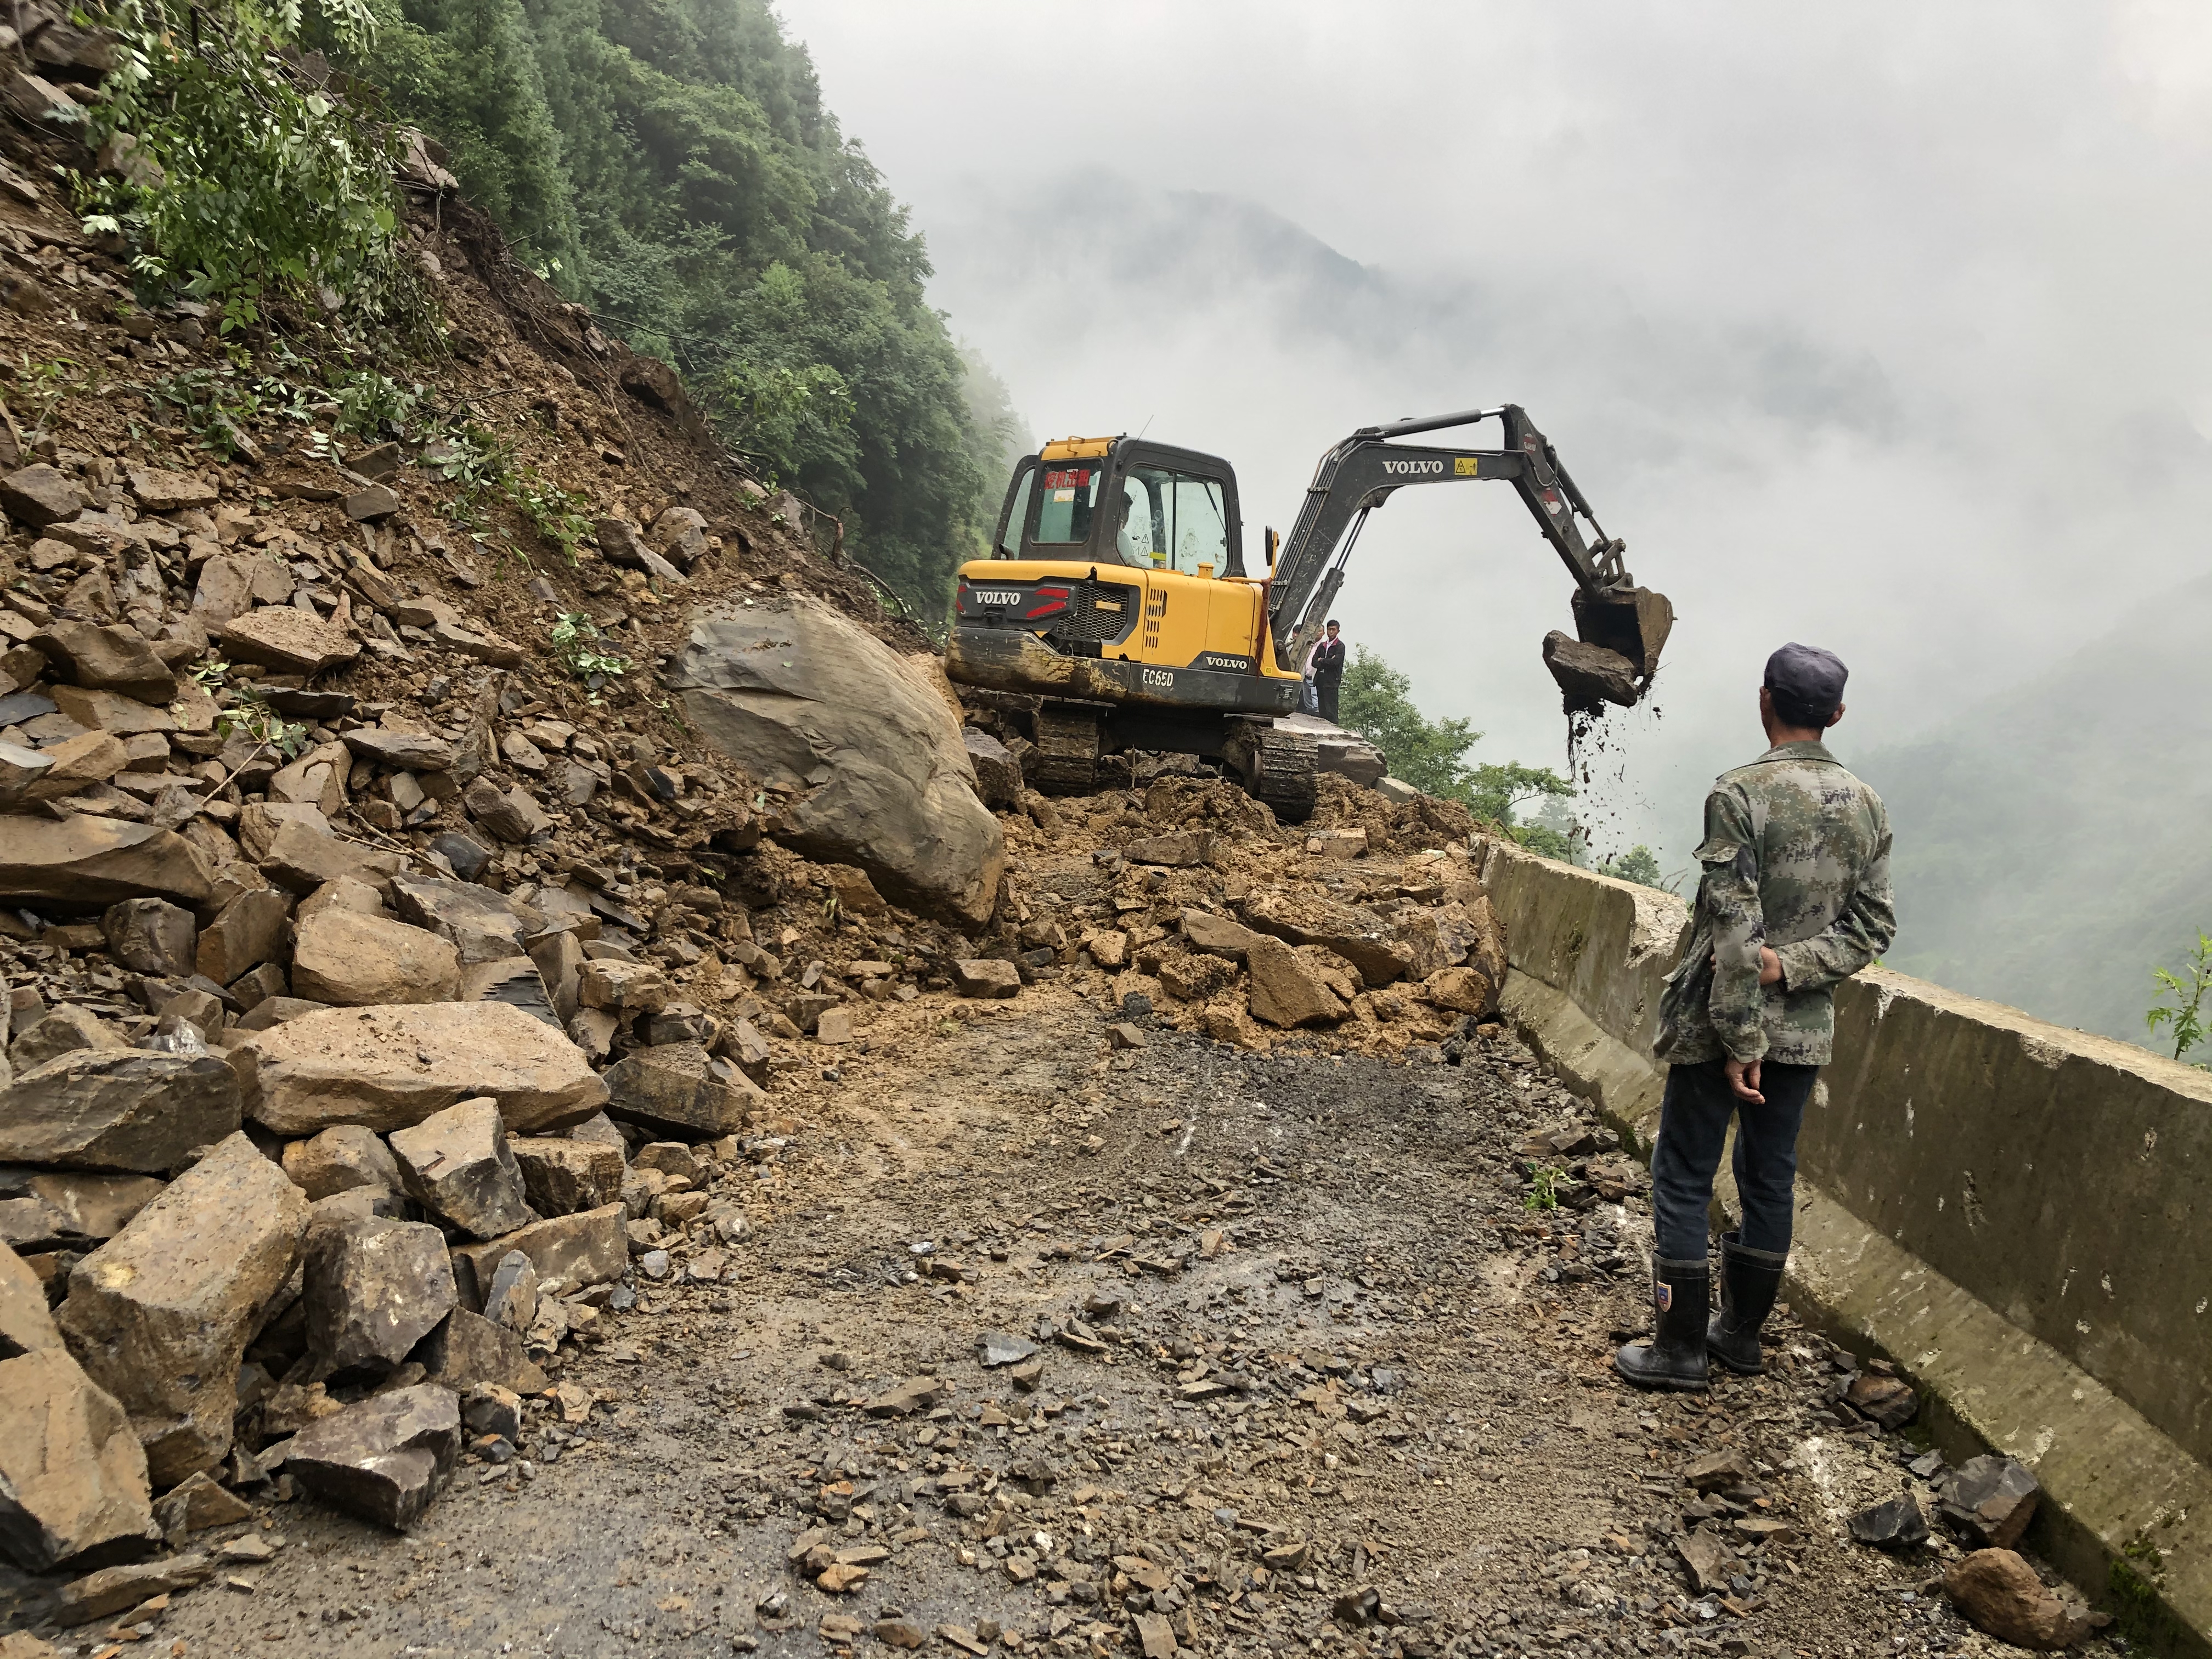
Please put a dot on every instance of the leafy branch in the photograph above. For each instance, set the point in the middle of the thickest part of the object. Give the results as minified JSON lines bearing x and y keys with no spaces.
{"x":2185,"y":1020}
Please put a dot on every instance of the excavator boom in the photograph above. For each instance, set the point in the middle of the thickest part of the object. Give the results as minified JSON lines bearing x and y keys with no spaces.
{"x":1622,"y":627}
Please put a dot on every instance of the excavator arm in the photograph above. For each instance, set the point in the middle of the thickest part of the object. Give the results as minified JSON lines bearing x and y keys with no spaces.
{"x":1622,"y":627}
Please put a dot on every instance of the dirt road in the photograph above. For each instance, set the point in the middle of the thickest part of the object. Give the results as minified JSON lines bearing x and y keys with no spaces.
{"x":1310,"y":1373}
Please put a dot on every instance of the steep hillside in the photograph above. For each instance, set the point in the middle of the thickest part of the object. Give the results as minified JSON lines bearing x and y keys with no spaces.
{"x":2054,"y":843}
{"x":671,"y":165}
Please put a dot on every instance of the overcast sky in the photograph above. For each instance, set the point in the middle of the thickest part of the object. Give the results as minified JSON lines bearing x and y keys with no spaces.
{"x":1880,"y":327}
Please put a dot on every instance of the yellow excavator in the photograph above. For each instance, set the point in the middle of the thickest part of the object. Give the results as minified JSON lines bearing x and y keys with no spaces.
{"x":1116,"y":592}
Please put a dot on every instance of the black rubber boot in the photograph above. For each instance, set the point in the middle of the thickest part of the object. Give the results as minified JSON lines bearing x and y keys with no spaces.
{"x":1681,"y":1295}
{"x":1750,"y":1280}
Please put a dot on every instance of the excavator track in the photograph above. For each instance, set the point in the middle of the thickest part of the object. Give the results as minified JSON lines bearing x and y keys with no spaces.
{"x":1280,"y":767}
{"x":1068,"y":739}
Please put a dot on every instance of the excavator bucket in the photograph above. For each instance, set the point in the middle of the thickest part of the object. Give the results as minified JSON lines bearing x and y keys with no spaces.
{"x":1623,"y":631}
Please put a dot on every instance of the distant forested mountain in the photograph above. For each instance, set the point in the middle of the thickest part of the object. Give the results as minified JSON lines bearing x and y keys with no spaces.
{"x":2054,"y":842}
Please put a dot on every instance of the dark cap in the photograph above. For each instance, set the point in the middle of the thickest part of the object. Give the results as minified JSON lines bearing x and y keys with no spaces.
{"x":1810,"y":680}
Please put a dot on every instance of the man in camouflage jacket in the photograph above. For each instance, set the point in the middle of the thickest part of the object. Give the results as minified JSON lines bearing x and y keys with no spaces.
{"x":1793,"y":896}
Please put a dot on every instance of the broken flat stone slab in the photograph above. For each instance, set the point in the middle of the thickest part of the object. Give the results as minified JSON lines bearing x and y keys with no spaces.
{"x":2000,"y":1594}
{"x":152,"y":936}
{"x":1706,"y":1554}
{"x":73,"y":1486}
{"x":622,"y":987}
{"x":298,"y":856}
{"x":1897,"y":1525}
{"x":1716,"y":1471}
{"x":1285,"y":990}
{"x":1989,"y":1500}
{"x":457,"y":1163}
{"x":113,"y":713}
{"x":986,"y":977}
{"x":195,"y":1505}
{"x":40,"y":495}
{"x":1356,"y":934}
{"x":118,"y":1590}
{"x":89,"y":863}
{"x":161,"y":1314}
{"x":289,"y":639}
{"x":678,"y":1085}
{"x":80,"y":1208}
{"x":354,"y":961}
{"x":27,"y":1323}
{"x":340,"y":1159}
{"x":78,"y":762}
{"x":372,"y":505}
{"x":1462,"y":991}
{"x":481,"y":925}
{"x":403,"y":751}
{"x":512,"y":1301}
{"x":1886,"y":1399}
{"x":589,"y":1248}
{"x":385,"y":1459}
{"x":1177,"y":849}
{"x":374,"y":1289}
{"x":66,"y":1030}
{"x":1589,"y":675}
{"x":995,"y":1348}
{"x":114,"y":659}
{"x":118,"y":1109}
{"x":1217,"y":936}
{"x":245,"y":934}
{"x":20,"y":768}
{"x":467,"y":1351}
{"x":563,"y":1176}
{"x":998,"y":774}
{"x":513,"y":814}
{"x":386,"y":1068}
{"x":516,"y":981}
{"x":161,"y":491}
{"x":916,"y":1393}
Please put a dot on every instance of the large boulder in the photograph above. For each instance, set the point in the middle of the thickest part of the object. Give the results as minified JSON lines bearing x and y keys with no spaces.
{"x":386,"y":1068}
{"x":384,"y":1459}
{"x":160,"y":1315}
{"x":457,"y":1164}
{"x":680,"y":1086}
{"x":342,"y":1158}
{"x":118,"y":1109}
{"x":479,"y":923}
{"x":355,"y":961}
{"x":73,"y":1489}
{"x":1357,"y":934}
{"x":796,"y":694}
{"x":563,"y":1176}
{"x":107,"y":659}
{"x":374,"y":1289}
{"x":1285,"y":990}
{"x":80,"y":863}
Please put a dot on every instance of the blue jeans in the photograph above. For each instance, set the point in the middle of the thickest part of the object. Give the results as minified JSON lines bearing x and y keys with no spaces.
{"x":1693,"y":1121}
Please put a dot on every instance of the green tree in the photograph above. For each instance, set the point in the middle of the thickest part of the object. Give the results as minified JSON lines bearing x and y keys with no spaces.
{"x":2184,"y":1019}
{"x":1376,"y":702}
{"x":1638,"y":864}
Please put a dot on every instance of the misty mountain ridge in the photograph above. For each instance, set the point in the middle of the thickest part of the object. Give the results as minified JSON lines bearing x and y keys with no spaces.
{"x":2055,"y":842}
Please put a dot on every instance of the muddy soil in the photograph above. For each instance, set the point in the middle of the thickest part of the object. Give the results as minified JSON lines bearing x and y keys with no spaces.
{"x":1313,"y":1375}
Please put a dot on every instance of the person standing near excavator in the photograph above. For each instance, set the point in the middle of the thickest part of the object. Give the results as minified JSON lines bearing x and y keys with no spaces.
{"x":1327,"y":667}
{"x":1794,"y":898}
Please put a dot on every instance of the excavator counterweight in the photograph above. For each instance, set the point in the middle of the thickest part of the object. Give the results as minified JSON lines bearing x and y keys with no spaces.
{"x":1117,"y":592}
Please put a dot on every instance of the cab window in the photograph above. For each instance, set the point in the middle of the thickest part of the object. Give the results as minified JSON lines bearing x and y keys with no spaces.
{"x":1172,"y":521}
{"x":1018,"y":514}
{"x":1067,"y":494}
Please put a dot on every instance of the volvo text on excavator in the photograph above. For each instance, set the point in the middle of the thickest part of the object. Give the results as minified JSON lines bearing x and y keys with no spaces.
{"x":1117,"y":594}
